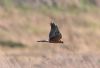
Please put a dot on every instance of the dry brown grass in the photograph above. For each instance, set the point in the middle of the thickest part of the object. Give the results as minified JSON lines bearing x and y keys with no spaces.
{"x":78,"y":29}
{"x":81,"y":36}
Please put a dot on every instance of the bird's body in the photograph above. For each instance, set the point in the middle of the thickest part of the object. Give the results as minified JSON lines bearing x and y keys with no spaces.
{"x":55,"y":35}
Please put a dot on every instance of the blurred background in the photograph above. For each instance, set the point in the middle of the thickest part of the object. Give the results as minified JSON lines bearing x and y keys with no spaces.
{"x":23,"y":22}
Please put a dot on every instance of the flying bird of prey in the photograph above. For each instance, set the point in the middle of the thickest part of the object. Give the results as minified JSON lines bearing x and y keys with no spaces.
{"x":54,"y":35}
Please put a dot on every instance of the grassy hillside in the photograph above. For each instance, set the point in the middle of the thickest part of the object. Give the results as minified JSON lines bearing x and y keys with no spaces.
{"x":24,"y":22}
{"x":20,"y":21}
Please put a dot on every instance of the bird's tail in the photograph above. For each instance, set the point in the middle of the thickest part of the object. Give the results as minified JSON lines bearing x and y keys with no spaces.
{"x":43,"y":41}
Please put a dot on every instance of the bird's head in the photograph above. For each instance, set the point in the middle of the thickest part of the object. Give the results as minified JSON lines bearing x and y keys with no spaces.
{"x":52,"y":23}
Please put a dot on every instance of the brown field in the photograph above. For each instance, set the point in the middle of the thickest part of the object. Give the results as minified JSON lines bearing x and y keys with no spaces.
{"x":20,"y":31}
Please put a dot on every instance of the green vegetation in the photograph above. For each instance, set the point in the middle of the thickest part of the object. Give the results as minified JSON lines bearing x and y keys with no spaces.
{"x":7,"y":4}
{"x":87,"y":5}
{"x":84,"y":6}
{"x":24,"y":7}
{"x":53,"y":10}
{"x":11,"y":44}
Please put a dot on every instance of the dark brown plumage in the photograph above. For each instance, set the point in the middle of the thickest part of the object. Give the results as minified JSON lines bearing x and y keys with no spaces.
{"x":54,"y":35}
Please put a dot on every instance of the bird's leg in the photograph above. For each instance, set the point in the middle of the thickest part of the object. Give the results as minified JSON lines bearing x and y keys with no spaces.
{"x":60,"y":41}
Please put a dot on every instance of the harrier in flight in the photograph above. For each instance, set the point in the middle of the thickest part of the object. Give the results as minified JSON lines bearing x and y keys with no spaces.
{"x":54,"y":35}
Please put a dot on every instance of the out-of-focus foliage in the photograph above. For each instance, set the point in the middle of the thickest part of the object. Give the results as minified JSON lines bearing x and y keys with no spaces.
{"x":25,"y":19}
{"x":64,"y":5}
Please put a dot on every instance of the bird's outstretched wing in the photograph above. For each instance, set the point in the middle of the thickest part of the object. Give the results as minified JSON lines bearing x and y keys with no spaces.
{"x":54,"y":35}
